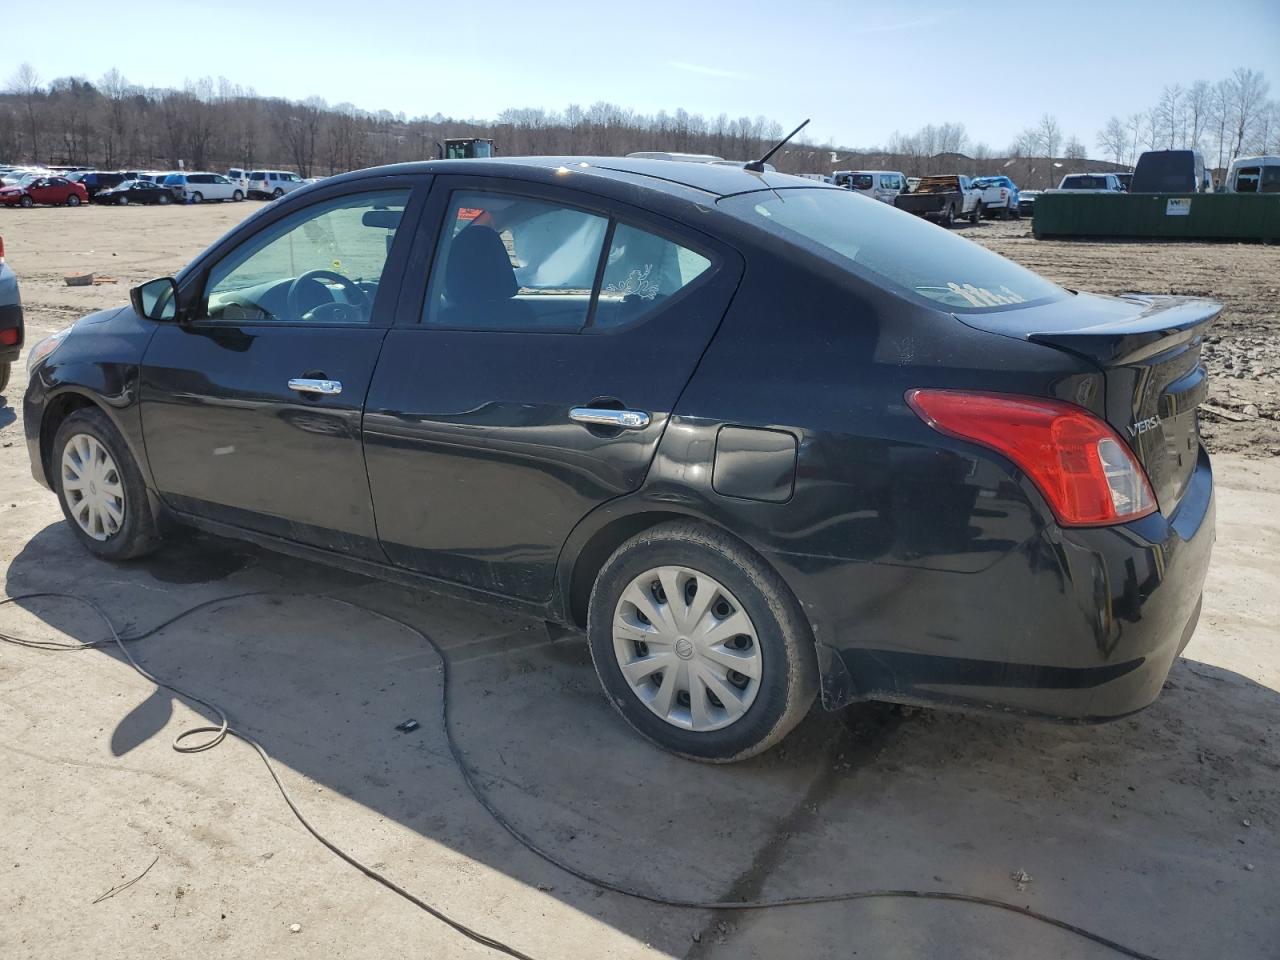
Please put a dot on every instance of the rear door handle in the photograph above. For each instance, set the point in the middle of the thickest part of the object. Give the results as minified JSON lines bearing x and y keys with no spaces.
{"x":307,"y":385}
{"x":604,"y":417}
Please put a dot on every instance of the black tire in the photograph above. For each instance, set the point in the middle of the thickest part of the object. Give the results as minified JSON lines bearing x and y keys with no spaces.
{"x":975,"y":218}
{"x":197,"y":197}
{"x":948,"y":217}
{"x":138,"y":534}
{"x":164,"y":199}
{"x":789,"y":677}
{"x":122,"y":200}
{"x":237,"y":196}
{"x":73,"y":200}
{"x":26,"y":202}
{"x":4,"y":374}
{"x":277,"y":193}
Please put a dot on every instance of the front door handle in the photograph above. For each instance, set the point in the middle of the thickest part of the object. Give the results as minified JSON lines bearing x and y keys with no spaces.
{"x":604,"y":417}
{"x":307,"y":385}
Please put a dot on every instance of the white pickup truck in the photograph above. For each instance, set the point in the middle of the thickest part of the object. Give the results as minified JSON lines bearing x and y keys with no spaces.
{"x":943,"y":200}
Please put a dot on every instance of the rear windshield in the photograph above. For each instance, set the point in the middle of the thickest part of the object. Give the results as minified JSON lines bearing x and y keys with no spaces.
{"x":257,"y":175}
{"x":857,"y":181}
{"x":1083,"y":182}
{"x":1165,"y":172}
{"x":894,"y":246}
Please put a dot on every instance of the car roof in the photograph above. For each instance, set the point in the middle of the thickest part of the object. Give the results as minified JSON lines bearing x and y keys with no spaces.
{"x":719,"y":180}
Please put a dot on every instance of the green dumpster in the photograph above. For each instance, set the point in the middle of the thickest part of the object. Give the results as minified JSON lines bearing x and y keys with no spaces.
{"x":1173,"y":216}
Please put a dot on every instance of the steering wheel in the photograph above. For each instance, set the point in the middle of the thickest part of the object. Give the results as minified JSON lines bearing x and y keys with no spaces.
{"x":353,"y":311}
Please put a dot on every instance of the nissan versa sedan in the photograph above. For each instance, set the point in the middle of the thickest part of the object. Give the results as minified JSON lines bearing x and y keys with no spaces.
{"x":762,"y":438}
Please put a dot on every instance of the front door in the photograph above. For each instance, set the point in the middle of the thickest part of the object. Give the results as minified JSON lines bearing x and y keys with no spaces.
{"x":251,"y":408}
{"x":533,"y":378}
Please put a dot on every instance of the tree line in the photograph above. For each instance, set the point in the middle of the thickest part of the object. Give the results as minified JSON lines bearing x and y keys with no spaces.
{"x":217,"y":124}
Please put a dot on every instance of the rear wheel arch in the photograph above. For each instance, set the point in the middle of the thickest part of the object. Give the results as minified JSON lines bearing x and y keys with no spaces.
{"x":591,"y":556}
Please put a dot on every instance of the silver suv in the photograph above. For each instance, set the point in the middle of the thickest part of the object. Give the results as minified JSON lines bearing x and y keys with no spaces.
{"x":269,"y":184}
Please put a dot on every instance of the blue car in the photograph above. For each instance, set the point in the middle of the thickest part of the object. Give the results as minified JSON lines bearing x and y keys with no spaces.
{"x":10,"y":319}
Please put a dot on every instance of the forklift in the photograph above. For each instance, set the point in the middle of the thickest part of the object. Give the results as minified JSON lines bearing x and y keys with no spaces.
{"x":464,"y":148}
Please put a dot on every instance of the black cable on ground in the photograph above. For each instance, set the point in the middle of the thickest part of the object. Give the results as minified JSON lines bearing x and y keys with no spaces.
{"x":218,"y":731}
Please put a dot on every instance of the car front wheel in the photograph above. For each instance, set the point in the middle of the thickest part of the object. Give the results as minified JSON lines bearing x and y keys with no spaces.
{"x":73,"y":200}
{"x":237,"y":196}
{"x":100,"y":488}
{"x":26,"y":202}
{"x":699,"y":644}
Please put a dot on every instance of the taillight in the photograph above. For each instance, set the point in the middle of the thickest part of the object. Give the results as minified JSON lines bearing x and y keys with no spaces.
{"x":1081,"y":466}
{"x":8,"y":337}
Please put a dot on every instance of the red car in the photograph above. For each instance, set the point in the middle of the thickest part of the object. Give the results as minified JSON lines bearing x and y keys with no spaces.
{"x":53,"y":191}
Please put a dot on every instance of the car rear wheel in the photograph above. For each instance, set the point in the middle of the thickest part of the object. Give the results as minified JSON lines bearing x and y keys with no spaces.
{"x":197,"y":197}
{"x":976,"y":217}
{"x":26,"y":202}
{"x":277,"y":194}
{"x":122,"y":200}
{"x":948,"y":217}
{"x":237,"y":196}
{"x":73,"y":200}
{"x":4,"y":374}
{"x":699,"y":644}
{"x":100,"y":488}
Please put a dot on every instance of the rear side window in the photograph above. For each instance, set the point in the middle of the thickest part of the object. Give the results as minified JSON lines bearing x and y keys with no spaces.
{"x":895,"y":247}
{"x":642,"y":271}
{"x":514,"y":263}
{"x":1270,"y":180}
{"x":521,"y":264}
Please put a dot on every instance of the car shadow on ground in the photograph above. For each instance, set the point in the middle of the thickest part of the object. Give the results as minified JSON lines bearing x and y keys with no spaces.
{"x":1131,"y":828}
{"x":7,"y":413}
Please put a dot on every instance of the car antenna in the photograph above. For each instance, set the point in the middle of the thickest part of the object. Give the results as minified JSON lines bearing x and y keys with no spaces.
{"x":757,"y":166}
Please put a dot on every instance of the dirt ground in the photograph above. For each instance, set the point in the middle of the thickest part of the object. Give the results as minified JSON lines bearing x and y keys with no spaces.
{"x":1242,"y":350}
{"x":1161,"y":831}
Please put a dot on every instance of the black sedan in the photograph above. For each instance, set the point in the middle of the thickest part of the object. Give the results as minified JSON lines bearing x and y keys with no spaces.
{"x":760,"y":437}
{"x":135,"y":191}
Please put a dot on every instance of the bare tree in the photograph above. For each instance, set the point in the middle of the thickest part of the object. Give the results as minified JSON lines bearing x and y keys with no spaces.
{"x":1220,"y":116}
{"x":1113,"y":140}
{"x":1075,"y":150}
{"x":1049,"y":135}
{"x":1169,"y":111}
{"x":1134,"y":126}
{"x":1249,"y":94}
{"x":1197,"y":112}
{"x":25,"y":82}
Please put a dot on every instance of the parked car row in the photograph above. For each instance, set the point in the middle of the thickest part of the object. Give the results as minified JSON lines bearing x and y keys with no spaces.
{"x":943,"y":199}
{"x":28,"y":187}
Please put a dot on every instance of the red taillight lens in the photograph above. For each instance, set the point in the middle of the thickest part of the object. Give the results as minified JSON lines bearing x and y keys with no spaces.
{"x":1081,"y":466}
{"x":8,"y":337}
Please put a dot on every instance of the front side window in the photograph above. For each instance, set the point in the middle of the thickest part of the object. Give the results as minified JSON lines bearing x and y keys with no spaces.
{"x":897,"y":247}
{"x":506,"y":262}
{"x":1247,"y":179}
{"x":321,"y":265}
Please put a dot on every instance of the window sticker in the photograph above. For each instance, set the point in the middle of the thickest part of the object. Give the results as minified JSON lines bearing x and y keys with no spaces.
{"x":982,"y":297}
{"x":637,"y":282}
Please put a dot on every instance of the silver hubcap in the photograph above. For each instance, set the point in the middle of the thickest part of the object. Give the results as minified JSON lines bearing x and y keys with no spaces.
{"x":92,"y":485}
{"x":687,"y":648}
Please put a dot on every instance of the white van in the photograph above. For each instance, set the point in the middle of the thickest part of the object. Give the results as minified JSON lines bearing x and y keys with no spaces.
{"x":1253,"y":175}
{"x":882,"y":184}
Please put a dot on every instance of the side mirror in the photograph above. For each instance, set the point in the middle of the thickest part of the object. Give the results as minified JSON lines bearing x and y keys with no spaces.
{"x":156,"y":299}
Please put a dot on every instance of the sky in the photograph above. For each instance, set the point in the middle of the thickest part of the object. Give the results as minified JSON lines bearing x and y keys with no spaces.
{"x":861,"y":70}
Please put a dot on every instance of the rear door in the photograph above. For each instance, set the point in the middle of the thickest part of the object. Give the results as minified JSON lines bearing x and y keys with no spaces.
{"x":510,"y":400}
{"x":251,"y":407}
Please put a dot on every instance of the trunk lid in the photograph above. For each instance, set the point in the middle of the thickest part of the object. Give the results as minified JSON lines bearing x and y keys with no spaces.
{"x":1148,"y":348}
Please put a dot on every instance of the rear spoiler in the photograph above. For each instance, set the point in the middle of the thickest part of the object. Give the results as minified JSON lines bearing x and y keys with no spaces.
{"x":1161,"y":323}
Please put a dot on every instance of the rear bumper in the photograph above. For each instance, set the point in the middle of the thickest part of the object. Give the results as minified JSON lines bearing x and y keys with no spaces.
{"x":1079,"y":625}
{"x":11,"y":319}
